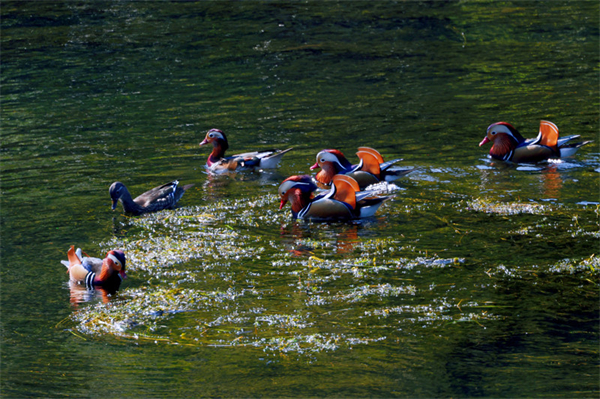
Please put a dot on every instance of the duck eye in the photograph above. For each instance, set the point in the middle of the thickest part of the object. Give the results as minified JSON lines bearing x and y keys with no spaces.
{"x":322,"y":159}
{"x":493,"y":132}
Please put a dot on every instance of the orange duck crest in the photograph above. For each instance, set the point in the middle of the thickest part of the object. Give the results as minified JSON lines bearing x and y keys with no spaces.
{"x":333,"y":157}
{"x":116,"y":260}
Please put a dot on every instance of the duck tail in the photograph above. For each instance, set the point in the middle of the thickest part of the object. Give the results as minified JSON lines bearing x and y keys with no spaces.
{"x":74,"y":258}
{"x":271,"y":161}
{"x":568,"y":150}
{"x":385,"y":165}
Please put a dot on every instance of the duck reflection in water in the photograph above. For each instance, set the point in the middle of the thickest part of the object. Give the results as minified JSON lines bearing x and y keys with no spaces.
{"x":80,"y":294}
{"x":550,"y":178}
{"x":552,"y":181}
{"x":299,"y":237}
{"x":217,"y":186}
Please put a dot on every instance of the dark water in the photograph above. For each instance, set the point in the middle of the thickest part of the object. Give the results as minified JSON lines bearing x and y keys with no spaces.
{"x":477,"y":279}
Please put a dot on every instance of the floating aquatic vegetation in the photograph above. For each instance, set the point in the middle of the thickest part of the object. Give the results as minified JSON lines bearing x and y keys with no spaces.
{"x":589,"y":265}
{"x":141,"y":309}
{"x":379,"y":291}
{"x":584,"y":267}
{"x":507,"y":208}
{"x":242,"y":273}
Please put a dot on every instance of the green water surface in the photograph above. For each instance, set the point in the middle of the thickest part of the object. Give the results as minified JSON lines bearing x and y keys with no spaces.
{"x":477,"y":279}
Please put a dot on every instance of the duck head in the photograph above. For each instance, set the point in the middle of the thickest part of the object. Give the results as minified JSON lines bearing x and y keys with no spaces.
{"x":331,"y":163}
{"x":219,"y":142}
{"x":115,"y":261}
{"x":504,"y":138}
{"x":116,"y":191}
{"x":298,"y":191}
{"x":216,"y":137}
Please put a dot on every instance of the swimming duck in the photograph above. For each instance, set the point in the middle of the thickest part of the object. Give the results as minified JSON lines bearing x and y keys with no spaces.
{"x":370,"y":170}
{"x":159,"y":198}
{"x":342,"y":201}
{"x":509,"y":145}
{"x":95,"y":272}
{"x":218,"y":162}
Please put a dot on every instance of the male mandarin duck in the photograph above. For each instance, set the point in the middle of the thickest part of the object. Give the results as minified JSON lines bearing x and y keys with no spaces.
{"x":370,"y":170}
{"x":95,"y":272}
{"x":159,"y":198}
{"x":342,"y":201}
{"x":509,"y":145}
{"x":218,"y":162}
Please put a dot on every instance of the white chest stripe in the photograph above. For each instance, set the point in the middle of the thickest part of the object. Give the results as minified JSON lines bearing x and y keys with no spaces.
{"x":89,"y":280}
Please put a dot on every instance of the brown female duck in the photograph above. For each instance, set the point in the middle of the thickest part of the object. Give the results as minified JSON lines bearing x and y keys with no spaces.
{"x":159,"y":198}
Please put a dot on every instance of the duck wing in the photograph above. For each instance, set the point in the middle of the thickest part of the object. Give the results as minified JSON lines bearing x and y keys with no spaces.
{"x":271,"y":159}
{"x":371,"y":160}
{"x":345,"y":189}
{"x":267,"y":159}
{"x":326,"y":208}
{"x":164,"y":195}
{"x":548,"y":135}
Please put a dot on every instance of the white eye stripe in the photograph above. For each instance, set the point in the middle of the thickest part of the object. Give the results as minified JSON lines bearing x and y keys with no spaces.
{"x":114,"y":259}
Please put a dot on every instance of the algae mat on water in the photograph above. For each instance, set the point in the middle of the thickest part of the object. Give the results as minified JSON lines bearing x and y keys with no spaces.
{"x":213,"y":275}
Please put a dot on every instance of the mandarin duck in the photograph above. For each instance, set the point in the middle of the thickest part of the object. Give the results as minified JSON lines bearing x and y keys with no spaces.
{"x":370,"y":170}
{"x":509,"y":145}
{"x":344,"y":200}
{"x":218,"y":162}
{"x":95,"y":272}
{"x":159,"y":198}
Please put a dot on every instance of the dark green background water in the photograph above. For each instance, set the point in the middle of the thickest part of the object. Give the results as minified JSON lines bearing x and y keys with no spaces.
{"x":477,"y":279}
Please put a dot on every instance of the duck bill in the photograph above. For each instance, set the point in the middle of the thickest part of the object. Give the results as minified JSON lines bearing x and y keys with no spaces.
{"x":205,"y":141}
{"x":114,"y":204}
{"x":283,"y":202}
{"x":484,"y":141}
{"x":315,"y":166}
{"x":123,"y":274}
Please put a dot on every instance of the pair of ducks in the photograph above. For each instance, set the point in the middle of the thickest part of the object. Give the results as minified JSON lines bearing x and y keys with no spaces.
{"x":167,"y":195}
{"x":107,"y":273}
